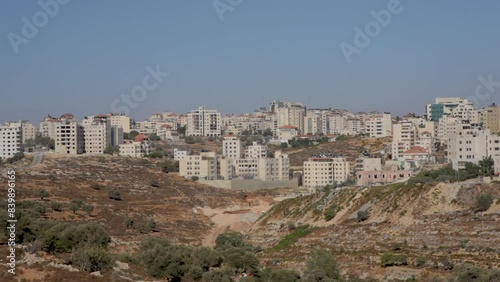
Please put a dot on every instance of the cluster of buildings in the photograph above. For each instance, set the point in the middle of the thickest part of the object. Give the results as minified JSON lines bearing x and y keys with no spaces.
{"x":235,"y":163}
{"x":454,"y":124}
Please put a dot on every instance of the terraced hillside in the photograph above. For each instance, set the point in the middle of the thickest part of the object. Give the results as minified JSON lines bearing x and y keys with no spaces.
{"x":433,"y":226}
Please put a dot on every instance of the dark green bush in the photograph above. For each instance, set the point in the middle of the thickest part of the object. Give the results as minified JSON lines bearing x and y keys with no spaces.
{"x":389,"y":259}
{"x":92,"y":258}
{"x":483,"y":202}
{"x":321,"y":267}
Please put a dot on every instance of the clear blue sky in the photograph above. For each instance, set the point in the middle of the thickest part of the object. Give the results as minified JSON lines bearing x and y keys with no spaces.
{"x":91,"y":52}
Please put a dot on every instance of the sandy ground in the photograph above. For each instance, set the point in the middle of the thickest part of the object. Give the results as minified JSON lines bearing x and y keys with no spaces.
{"x":240,"y":222}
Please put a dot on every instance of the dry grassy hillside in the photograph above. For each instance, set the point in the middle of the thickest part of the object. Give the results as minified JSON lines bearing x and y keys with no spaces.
{"x":434,"y":226}
{"x":351,"y":148}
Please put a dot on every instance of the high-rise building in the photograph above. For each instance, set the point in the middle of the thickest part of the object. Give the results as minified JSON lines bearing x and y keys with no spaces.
{"x":256,"y":151}
{"x":231,"y":147}
{"x":97,"y":134}
{"x":312,"y":122}
{"x":452,"y":106}
{"x":378,"y":125}
{"x":203,"y":122}
{"x":10,"y":140}
{"x":69,"y":137}
{"x":490,"y":118}
{"x":120,"y":120}
{"x":116,"y":135}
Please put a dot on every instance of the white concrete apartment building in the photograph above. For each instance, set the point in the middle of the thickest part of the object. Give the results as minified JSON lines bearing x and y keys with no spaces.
{"x":378,"y":125}
{"x":10,"y":140}
{"x":291,"y":114}
{"x":203,"y":122}
{"x":179,"y":154}
{"x":137,"y":148}
{"x":312,"y":122}
{"x":97,"y":134}
{"x":264,"y":169}
{"x":256,"y":151}
{"x":48,"y":124}
{"x":451,"y":106}
{"x":404,"y":137}
{"x":287,"y":132}
{"x":167,"y":132}
{"x":322,"y":171}
{"x":231,"y":147}
{"x":69,"y":139}
{"x":29,"y":131}
{"x":472,"y":146}
{"x":120,"y":120}
{"x":204,"y":166}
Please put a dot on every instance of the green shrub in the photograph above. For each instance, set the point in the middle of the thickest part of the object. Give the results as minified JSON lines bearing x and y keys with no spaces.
{"x":389,"y":259}
{"x":231,"y":240}
{"x":363,"y":215}
{"x":95,"y":186}
{"x":56,"y":206}
{"x":42,"y":193}
{"x":468,"y":273}
{"x":420,"y":261}
{"x":92,"y":259}
{"x":241,"y":259}
{"x":483,"y":202}
{"x":330,"y":213}
{"x":88,"y":209}
{"x":115,"y":195}
{"x":321,"y":267}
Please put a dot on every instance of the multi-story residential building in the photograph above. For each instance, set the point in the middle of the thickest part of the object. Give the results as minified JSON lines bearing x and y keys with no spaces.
{"x":203,"y":166}
{"x":121,"y":120}
{"x":404,"y":137}
{"x":69,"y":137}
{"x":378,"y":125}
{"x":264,"y":169}
{"x":312,"y":122}
{"x":10,"y":140}
{"x":231,"y":147}
{"x":167,"y":132}
{"x":490,"y":118}
{"x":116,"y":135}
{"x":179,"y":154}
{"x":365,"y":163}
{"x":290,"y":114}
{"x":97,"y":134}
{"x":146,"y":127}
{"x":470,"y":146}
{"x":453,"y":106}
{"x":323,"y":170}
{"x":182,"y":120}
{"x":287,"y":132}
{"x":48,"y":125}
{"x":388,"y":174}
{"x":137,"y":148}
{"x":29,"y":131}
{"x":203,"y":122}
{"x":256,"y":151}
